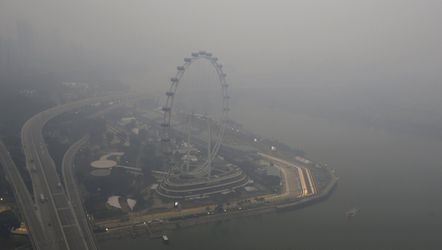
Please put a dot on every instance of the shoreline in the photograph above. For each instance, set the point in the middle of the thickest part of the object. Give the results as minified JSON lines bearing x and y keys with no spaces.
{"x":156,"y":230}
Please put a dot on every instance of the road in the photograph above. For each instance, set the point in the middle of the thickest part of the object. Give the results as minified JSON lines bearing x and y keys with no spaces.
{"x":57,"y":215}
{"x":73,"y":193}
{"x":23,"y":199}
{"x":58,"y":218}
{"x":304,"y":176}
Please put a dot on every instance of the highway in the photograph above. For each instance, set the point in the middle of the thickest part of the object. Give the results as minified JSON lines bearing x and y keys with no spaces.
{"x":59,"y":220}
{"x":23,"y":199}
{"x":74,"y":194}
{"x":57,"y":215}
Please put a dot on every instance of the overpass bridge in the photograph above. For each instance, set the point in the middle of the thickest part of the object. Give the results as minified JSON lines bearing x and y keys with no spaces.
{"x":51,"y":217}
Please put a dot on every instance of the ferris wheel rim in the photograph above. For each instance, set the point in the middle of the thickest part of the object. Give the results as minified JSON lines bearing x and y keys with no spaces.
{"x":171,"y":93}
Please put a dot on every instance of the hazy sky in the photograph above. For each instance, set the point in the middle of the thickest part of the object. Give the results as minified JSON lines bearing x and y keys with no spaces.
{"x":370,"y":59}
{"x":338,"y":42}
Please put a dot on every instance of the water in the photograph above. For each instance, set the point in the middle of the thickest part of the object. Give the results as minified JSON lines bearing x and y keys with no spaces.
{"x":395,"y":180}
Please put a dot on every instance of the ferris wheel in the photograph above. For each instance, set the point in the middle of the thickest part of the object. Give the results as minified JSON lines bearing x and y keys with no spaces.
{"x":171,"y":93}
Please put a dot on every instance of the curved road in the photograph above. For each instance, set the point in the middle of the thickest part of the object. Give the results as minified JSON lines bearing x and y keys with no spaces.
{"x":60,"y":222}
{"x":74,"y":195}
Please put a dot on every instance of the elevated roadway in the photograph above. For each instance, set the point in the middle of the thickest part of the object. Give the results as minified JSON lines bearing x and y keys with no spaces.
{"x":73,"y":193}
{"x":57,"y":215}
{"x":24,"y":200}
{"x":60,"y":222}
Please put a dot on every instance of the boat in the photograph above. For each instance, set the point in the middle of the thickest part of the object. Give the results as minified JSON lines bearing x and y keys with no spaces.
{"x":21,"y":231}
{"x":351,"y":213}
{"x":165,"y":239}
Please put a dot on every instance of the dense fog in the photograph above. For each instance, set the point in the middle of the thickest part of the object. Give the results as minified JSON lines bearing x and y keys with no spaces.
{"x":377,"y":62}
{"x":355,"y":85}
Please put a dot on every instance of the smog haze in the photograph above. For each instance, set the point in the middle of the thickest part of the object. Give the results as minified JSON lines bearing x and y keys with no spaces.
{"x":355,"y":84}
